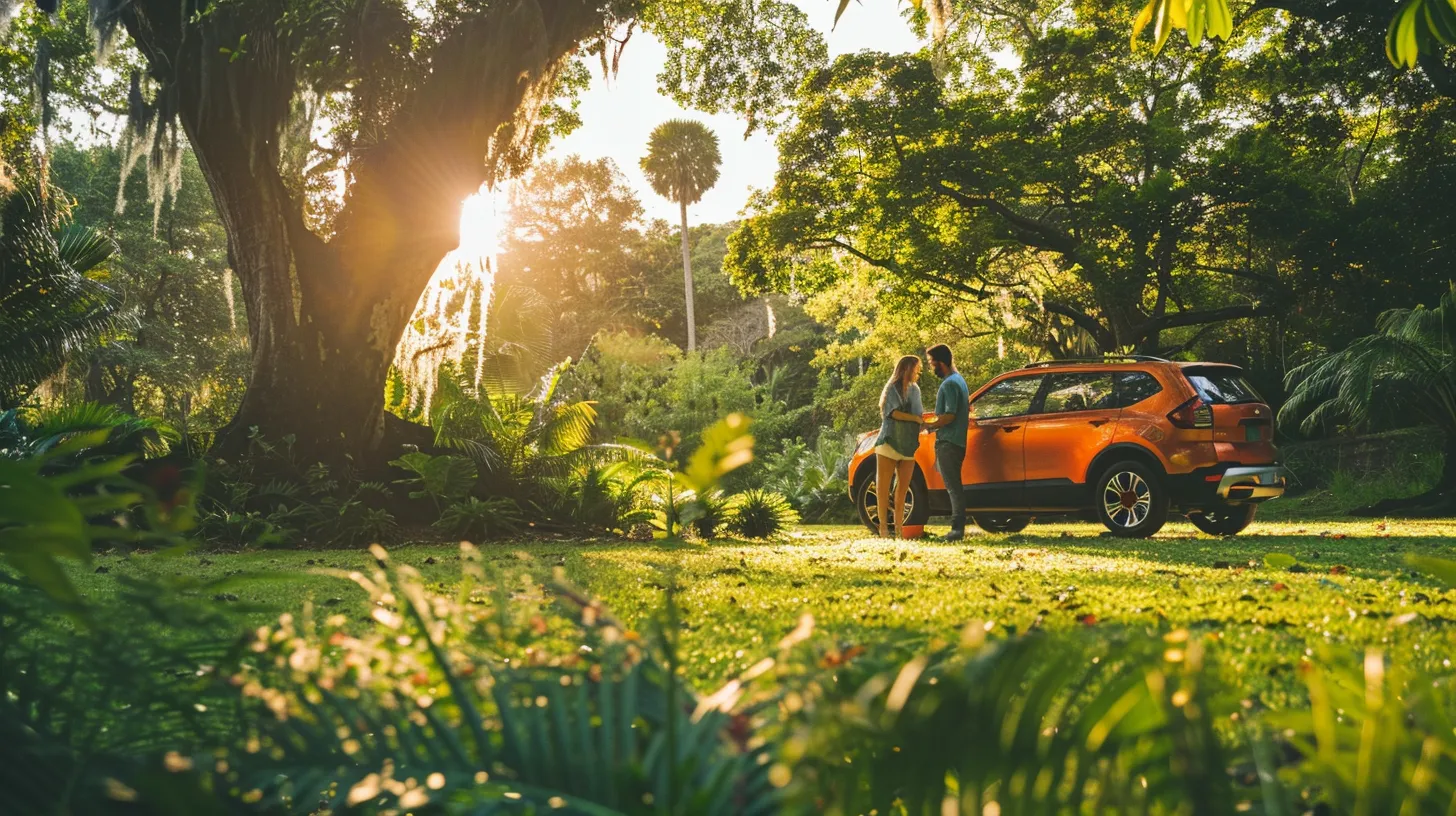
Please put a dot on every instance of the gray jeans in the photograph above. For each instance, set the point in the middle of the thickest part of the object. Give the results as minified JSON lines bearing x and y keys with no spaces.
{"x":948,"y":460}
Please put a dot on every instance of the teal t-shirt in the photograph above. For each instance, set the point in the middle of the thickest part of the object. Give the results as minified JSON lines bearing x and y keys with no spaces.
{"x":954,"y":398}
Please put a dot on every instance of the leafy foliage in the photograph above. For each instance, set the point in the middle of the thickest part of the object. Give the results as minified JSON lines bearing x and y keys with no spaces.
{"x":456,"y":702}
{"x":441,"y":479}
{"x":761,"y":514}
{"x":609,"y":497}
{"x":814,"y":480}
{"x":682,"y":160}
{"x":49,"y":308}
{"x":1404,"y":371}
{"x":477,"y":518}
{"x":33,"y":432}
{"x":64,"y":501}
{"x":270,"y":496}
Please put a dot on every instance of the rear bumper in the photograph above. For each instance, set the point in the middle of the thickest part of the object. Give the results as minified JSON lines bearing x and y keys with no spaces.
{"x":1228,"y":484}
{"x":1252,"y":484}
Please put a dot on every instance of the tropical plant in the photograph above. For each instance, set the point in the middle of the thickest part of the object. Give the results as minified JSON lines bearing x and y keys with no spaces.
{"x":441,"y":479}
{"x":461,"y":711}
{"x":716,"y":512}
{"x":48,"y":307}
{"x":1030,"y":724}
{"x":760,"y":513}
{"x":63,"y":502}
{"x":1404,"y":372}
{"x":522,"y":443}
{"x":814,"y":480}
{"x":31,"y":432}
{"x":681,"y":165}
{"x":609,"y":497}
{"x":479,"y":519}
{"x":272,"y":494}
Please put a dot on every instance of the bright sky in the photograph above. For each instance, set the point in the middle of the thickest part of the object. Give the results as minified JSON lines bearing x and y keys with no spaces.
{"x":619,"y":113}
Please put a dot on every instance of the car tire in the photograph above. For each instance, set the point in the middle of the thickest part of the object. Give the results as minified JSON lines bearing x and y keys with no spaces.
{"x":1130,"y":499}
{"x":918,"y":498}
{"x":1224,"y":520}
{"x":1002,"y":524}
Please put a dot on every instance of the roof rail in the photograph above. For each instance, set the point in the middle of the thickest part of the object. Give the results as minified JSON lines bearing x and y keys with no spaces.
{"x":1111,"y":358}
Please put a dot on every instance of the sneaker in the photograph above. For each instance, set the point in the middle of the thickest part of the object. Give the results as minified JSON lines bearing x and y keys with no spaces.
{"x":954,"y":535}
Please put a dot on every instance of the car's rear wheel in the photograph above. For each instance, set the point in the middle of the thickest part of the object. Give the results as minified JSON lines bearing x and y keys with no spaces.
{"x":1130,"y":499}
{"x":1225,"y":520}
{"x":1002,"y":524}
{"x":917,"y":502}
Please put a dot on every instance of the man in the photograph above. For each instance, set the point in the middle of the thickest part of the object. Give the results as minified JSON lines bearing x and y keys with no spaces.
{"x":951,"y":423}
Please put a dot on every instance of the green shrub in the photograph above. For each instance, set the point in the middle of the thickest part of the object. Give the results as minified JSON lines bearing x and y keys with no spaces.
{"x":270,"y":494}
{"x":760,"y":514}
{"x":441,"y":479}
{"x":481,"y":519}
{"x":814,"y":480}
{"x":715,"y":512}
{"x":610,"y":498}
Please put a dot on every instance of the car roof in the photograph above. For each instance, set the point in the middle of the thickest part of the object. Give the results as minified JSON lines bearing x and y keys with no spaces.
{"x":1123,"y":363}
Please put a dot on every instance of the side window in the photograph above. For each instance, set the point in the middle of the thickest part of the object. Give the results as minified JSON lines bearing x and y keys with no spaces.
{"x":1134,"y":387}
{"x":1007,"y":398}
{"x":1091,"y":391}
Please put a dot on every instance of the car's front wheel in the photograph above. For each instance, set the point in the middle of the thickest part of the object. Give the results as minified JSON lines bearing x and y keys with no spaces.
{"x":1130,"y":500}
{"x":1002,"y":524}
{"x":1227,"y":520}
{"x":917,"y":502}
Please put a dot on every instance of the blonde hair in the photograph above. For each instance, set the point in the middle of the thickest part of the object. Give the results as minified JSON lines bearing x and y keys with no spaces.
{"x":897,"y":380}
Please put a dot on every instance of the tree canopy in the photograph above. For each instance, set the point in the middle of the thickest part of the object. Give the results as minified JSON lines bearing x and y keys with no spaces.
{"x":1114,"y":200}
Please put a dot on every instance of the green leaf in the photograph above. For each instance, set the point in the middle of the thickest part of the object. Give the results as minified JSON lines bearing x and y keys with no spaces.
{"x":1442,"y":569}
{"x":1441,"y":20}
{"x":1401,"y":46}
{"x":1279,"y":560}
{"x":1141,"y":22}
{"x":1197,"y":18}
{"x":727,"y":445}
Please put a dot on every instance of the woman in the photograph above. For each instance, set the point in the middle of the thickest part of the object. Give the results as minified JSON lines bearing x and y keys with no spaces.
{"x":901,"y":414}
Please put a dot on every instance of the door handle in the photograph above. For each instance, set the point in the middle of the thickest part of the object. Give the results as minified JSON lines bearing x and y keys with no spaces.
{"x":1010,"y":428}
{"x":1097,"y":423}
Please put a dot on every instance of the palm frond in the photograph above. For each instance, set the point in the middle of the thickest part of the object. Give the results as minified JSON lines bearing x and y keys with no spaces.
{"x":48,"y":308}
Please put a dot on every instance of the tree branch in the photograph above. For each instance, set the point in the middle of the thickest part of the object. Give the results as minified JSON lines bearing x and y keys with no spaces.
{"x":1083,"y":321}
{"x":1036,"y":233}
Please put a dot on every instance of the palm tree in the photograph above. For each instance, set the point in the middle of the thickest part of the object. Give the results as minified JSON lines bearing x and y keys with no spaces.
{"x":681,"y":165}
{"x":1405,"y":371}
{"x":48,"y":307}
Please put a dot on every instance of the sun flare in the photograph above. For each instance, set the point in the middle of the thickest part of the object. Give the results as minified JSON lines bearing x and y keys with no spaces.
{"x":449,"y":320}
{"x":482,"y":220}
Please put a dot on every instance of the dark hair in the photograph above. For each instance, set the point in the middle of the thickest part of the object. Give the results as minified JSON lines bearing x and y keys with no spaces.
{"x":940,"y":353}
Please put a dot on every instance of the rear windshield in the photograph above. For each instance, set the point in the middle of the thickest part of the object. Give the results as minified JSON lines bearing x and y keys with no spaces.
{"x":1222,"y":386}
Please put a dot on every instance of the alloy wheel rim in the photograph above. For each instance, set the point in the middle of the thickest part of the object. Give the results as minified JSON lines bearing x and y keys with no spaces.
{"x":872,"y":510}
{"x":1127,"y":499}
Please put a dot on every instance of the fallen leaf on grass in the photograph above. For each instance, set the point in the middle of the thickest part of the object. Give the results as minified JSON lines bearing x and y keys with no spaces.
{"x":1277,"y":560}
{"x":1339,"y":569}
{"x":1088,"y":620}
{"x":1280,"y":587}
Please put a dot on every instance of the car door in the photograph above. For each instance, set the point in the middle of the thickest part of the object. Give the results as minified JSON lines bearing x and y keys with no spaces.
{"x":1073,"y":419}
{"x":994,"y":473}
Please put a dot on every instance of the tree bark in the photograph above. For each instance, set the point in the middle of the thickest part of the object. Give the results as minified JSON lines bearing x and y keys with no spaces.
{"x":325,"y":317}
{"x":688,"y":280}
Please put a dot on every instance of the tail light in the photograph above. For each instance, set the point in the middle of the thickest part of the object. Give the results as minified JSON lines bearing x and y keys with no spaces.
{"x":1195,"y":413}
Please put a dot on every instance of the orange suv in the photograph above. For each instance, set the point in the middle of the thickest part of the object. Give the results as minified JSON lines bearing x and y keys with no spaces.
{"x":1128,"y":439}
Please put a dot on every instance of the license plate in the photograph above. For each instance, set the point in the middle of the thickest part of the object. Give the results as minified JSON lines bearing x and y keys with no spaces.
{"x":1253,"y":433}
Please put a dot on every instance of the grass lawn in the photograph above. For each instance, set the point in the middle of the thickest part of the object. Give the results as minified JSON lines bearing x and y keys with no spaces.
{"x":1353,"y":590}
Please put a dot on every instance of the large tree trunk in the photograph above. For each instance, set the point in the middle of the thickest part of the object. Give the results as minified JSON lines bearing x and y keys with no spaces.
{"x":325,"y":317}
